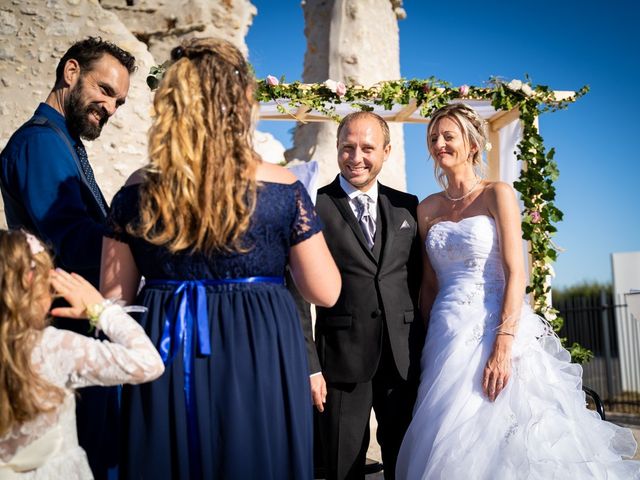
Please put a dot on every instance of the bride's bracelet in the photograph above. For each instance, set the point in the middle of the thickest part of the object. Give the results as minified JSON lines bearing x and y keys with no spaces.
{"x":503,"y":332}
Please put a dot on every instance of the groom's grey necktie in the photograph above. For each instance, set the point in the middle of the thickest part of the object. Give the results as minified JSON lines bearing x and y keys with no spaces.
{"x":88,"y":173}
{"x":365,"y":218}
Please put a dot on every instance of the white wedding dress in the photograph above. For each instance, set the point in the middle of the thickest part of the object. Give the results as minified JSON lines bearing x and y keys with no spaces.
{"x":538,"y":427}
{"x":47,"y":447}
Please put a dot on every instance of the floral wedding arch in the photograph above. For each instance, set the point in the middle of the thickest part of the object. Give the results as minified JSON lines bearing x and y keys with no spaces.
{"x":517,"y":153}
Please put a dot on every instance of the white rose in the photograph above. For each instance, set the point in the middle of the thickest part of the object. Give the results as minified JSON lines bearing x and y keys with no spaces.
{"x":331,"y":85}
{"x":515,"y":84}
{"x":527,"y":90}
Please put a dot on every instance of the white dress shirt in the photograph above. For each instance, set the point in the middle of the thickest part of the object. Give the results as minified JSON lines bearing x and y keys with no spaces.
{"x":352,"y":192}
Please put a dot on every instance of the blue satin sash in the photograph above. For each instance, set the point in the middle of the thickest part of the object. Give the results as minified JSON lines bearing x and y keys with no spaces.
{"x":187,"y":309}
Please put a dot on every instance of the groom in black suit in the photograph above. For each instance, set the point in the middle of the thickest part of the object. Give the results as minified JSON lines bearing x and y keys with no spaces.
{"x":368,"y":344}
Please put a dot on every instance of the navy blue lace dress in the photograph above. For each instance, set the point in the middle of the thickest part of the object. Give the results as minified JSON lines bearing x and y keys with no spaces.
{"x":234,"y":401}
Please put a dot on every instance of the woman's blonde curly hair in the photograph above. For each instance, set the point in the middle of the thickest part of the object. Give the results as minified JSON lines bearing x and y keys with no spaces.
{"x":24,"y":284}
{"x":474,"y":131}
{"x":200,"y":189}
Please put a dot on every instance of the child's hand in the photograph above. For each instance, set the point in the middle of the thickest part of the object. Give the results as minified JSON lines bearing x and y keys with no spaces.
{"x":77,"y":291}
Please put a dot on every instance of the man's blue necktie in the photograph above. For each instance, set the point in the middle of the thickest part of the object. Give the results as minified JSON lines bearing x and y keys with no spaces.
{"x":88,"y":173}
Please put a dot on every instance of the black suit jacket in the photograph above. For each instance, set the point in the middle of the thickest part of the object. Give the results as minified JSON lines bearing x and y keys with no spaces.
{"x":379,"y":288}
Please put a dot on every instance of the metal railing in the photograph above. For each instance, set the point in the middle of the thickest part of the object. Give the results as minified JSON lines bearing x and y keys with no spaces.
{"x":604,"y":325}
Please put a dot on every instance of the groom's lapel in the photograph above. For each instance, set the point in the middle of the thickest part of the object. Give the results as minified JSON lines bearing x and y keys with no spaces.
{"x":378,"y":241}
{"x":341,"y":201}
{"x":389,"y":222}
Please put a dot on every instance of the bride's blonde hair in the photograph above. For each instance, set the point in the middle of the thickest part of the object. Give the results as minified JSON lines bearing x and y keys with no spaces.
{"x":200,"y":190}
{"x":24,"y":284}
{"x":474,"y":132}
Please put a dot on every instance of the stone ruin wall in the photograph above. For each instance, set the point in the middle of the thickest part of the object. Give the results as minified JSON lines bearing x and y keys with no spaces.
{"x":34,"y":34}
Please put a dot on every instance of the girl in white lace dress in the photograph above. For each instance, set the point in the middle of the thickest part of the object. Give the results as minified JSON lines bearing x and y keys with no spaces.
{"x":498,"y":396}
{"x":41,"y":366}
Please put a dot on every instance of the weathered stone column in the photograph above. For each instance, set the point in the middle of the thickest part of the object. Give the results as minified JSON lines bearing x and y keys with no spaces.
{"x":162,"y":24}
{"x":356,"y":42}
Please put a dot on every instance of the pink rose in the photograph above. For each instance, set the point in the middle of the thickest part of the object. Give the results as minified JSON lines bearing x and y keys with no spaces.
{"x":341,"y":89}
{"x":272,"y":81}
{"x":464,"y":90}
{"x":535,"y":217}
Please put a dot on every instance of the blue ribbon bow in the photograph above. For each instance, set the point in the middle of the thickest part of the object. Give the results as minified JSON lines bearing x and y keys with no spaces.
{"x":191,"y":306}
{"x":188,"y":306}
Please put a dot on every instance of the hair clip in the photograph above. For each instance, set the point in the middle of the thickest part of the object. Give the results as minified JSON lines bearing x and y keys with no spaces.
{"x":177,"y":53}
{"x":35,"y":246}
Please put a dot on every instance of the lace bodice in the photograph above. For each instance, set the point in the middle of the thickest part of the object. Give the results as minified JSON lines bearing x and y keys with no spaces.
{"x":467,"y":251}
{"x":284,"y":216}
{"x":70,"y":361}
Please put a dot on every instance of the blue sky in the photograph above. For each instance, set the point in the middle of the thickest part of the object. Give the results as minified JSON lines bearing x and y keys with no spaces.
{"x":563,"y":44}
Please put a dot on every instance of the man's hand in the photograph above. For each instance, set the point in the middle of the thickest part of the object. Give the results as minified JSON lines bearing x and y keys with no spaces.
{"x":318,"y":391}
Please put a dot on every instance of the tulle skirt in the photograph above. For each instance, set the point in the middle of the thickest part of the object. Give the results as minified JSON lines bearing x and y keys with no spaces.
{"x":538,"y":427}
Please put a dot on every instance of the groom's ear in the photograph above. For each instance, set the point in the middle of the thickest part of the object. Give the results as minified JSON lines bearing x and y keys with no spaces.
{"x":387,"y":151}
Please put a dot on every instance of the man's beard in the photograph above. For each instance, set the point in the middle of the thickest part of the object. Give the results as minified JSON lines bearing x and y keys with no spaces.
{"x":77,"y":115}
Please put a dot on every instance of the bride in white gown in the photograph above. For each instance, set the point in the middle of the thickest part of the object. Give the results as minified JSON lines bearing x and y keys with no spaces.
{"x":498,"y":398}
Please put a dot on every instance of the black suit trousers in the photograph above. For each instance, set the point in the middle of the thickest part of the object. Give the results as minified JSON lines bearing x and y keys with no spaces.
{"x":344,"y":425}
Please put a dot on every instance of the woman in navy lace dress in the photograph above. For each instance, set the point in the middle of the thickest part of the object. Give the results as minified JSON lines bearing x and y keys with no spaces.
{"x":211,"y":228}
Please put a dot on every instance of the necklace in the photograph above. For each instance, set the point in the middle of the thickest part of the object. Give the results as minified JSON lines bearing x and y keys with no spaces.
{"x":446,"y":194}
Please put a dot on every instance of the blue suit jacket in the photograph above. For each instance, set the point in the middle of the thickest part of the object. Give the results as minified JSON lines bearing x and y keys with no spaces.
{"x":43,"y":192}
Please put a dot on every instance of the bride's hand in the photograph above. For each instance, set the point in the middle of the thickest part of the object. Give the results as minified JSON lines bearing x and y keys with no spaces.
{"x":497,"y":371}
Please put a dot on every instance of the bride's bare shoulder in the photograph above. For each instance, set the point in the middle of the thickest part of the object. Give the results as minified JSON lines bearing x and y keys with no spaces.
{"x":498,"y":188}
{"x":430,"y":210}
{"x":499,"y":193}
{"x":433,"y":202}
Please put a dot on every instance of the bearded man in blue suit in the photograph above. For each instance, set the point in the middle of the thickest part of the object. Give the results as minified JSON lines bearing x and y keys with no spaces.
{"x":48,"y":188}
